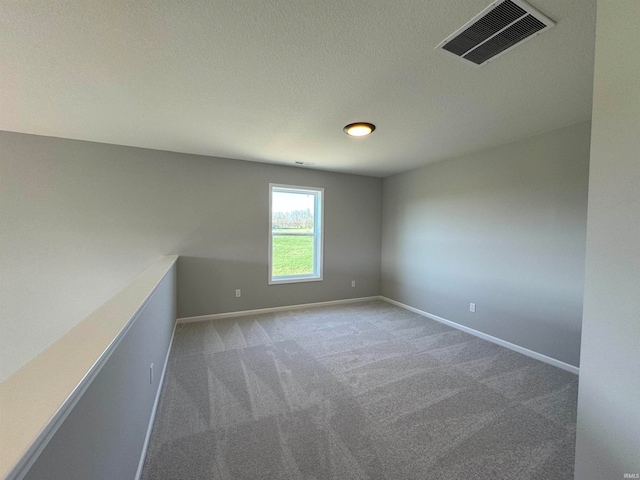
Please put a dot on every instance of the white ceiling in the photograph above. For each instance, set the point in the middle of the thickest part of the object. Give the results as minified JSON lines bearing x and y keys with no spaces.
{"x":276,"y":80}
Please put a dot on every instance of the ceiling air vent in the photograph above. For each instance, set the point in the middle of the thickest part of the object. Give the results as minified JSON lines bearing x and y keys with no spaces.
{"x":497,"y":29}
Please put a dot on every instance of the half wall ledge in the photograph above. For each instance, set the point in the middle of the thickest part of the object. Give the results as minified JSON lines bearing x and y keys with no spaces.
{"x":36,"y":399}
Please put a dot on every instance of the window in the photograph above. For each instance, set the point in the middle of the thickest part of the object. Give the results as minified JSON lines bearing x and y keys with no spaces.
{"x":295,"y":234}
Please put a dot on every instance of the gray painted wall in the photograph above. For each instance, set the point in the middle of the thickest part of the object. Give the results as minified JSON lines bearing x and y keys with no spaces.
{"x":608,"y":435}
{"x":230,"y":251}
{"x":503,"y":228}
{"x":103,"y":436}
{"x":80,"y":220}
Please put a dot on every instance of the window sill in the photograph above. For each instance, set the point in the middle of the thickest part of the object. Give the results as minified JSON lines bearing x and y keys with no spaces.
{"x":286,"y":280}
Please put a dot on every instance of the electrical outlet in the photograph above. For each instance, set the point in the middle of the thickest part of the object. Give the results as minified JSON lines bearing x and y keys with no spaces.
{"x":151,"y":374}
{"x":472,"y":307}
{"x":238,"y":293}
{"x":353,"y":283}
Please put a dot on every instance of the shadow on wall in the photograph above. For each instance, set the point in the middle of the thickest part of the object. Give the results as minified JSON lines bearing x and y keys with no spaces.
{"x":207,"y":286}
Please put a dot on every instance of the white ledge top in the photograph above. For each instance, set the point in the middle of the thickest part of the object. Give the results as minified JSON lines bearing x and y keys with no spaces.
{"x":32,"y":397}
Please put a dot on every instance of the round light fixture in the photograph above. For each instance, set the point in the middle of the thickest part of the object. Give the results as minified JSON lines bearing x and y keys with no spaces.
{"x":359,"y":129}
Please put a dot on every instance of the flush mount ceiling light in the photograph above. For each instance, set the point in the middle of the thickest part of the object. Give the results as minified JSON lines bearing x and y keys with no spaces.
{"x":359,"y":129}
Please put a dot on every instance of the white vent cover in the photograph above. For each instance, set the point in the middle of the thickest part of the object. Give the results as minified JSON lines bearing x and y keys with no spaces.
{"x":501,"y":26}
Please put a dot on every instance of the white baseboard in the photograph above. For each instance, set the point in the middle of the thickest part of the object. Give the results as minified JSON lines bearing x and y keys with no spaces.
{"x":484,"y":336}
{"x":217,"y":316}
{"x":143,"y":455}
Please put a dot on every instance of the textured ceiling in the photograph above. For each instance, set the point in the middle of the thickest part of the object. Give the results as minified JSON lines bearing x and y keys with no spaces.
{"x":276,"y":80}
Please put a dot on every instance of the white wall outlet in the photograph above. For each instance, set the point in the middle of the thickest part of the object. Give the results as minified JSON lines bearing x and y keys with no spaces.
{"x":238,"y":293}
{"x":353,"y":283}
{"x":472,"y":307}
{"x":151,"y":374}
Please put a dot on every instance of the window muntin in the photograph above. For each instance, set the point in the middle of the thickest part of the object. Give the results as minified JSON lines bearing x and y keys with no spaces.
{"x":295,"y":233}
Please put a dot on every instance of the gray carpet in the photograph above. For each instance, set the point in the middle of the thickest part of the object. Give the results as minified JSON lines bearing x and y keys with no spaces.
{"x":360,"y":391}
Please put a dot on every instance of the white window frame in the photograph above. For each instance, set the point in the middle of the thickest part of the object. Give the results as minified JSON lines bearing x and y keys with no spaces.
{"x":318,"y":235}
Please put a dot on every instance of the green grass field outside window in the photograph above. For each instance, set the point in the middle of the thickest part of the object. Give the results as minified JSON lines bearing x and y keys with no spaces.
{"x":292,"y":256}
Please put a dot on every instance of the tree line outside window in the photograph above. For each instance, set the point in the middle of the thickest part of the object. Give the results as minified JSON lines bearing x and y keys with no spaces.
{"x":293,"y":219}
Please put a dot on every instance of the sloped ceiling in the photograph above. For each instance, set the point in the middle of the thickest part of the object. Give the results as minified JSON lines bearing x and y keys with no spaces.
{"x":276,"y":80}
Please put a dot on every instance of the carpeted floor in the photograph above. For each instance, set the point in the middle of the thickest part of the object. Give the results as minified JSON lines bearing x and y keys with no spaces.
{"x":360,"y":391}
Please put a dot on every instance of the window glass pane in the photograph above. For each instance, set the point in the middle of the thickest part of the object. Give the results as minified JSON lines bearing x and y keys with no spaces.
{"x":292,"y":255}
{"x":296,"y":234}
{"x":292,"y":212}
